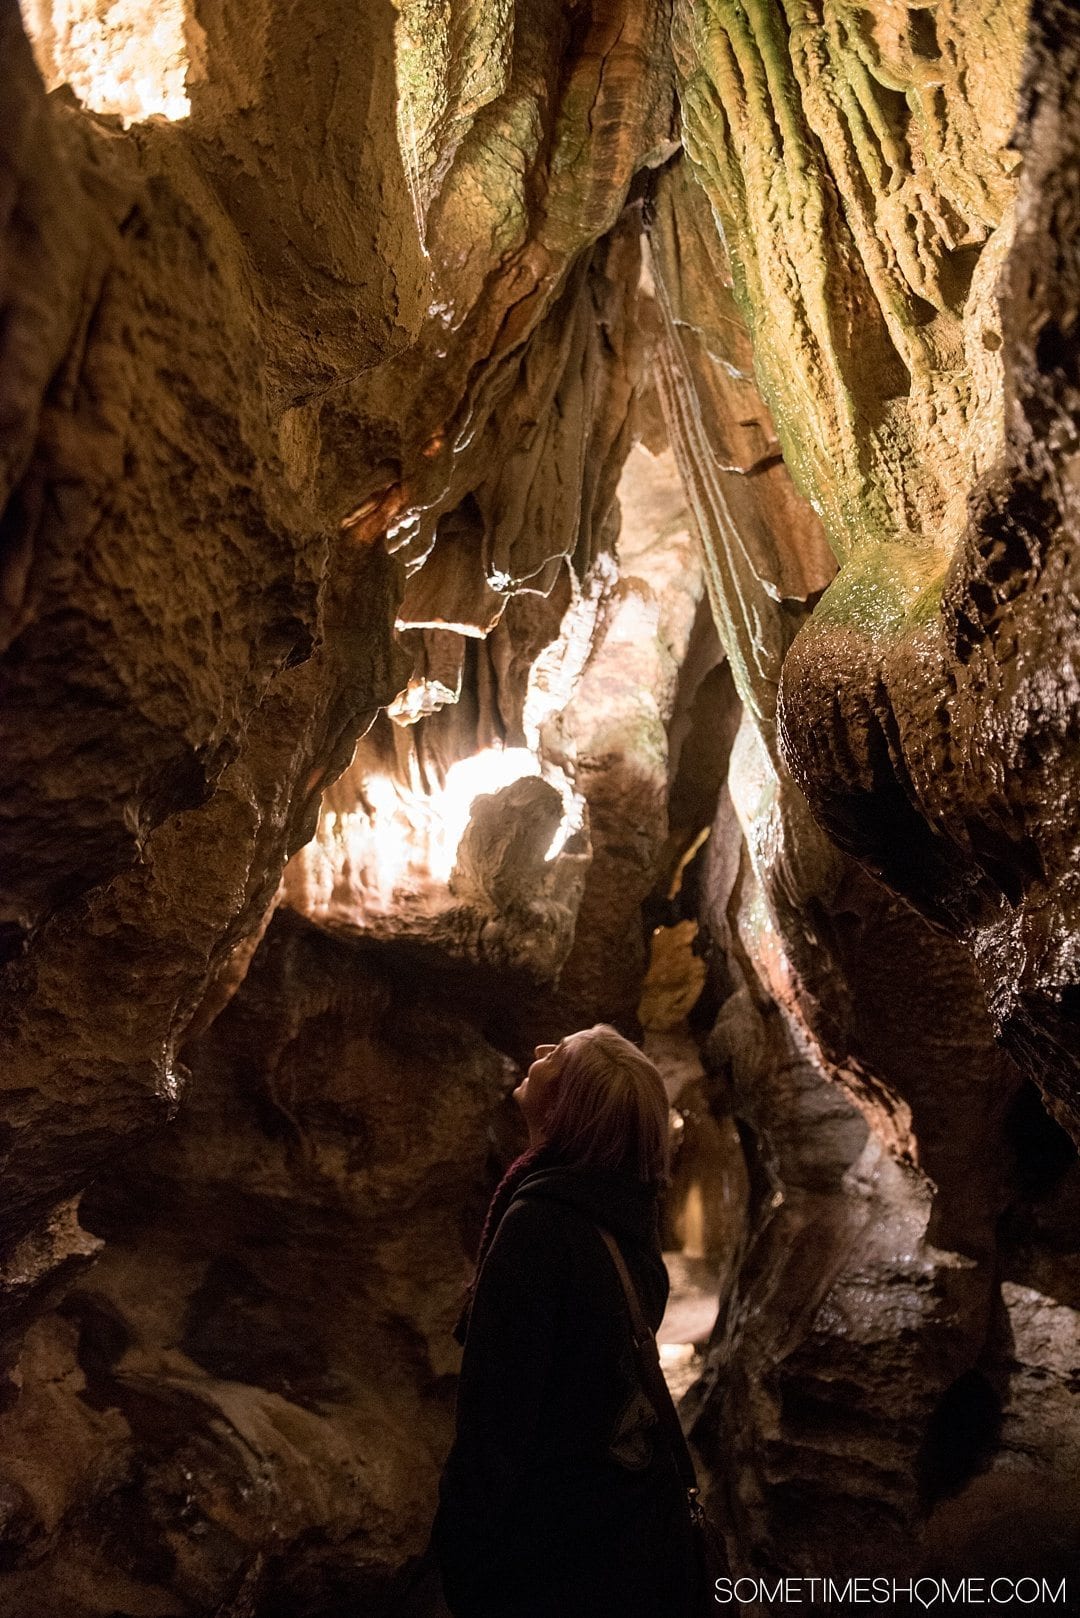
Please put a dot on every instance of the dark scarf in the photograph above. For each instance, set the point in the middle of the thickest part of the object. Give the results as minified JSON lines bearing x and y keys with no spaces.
{"x":537,"y":1157}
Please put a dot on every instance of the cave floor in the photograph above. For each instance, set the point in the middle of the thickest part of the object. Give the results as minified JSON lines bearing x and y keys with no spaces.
{"x":688,"y":1320}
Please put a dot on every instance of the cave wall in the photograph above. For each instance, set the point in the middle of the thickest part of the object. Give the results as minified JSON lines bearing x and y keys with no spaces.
{"x":813,"y":145}
{"x":860,"y":1378}
{"x":971,"y":759}
{"x":859,"y":161}
{"x":890,"y":185}
{"x":199,"y":589}
{"x":250,"y":1395}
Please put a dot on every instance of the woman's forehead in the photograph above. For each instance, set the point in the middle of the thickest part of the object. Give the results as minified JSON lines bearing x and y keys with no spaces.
{"x":556,"y":1045}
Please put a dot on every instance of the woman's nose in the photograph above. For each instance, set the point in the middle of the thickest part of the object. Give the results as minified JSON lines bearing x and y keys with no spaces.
{"x":544,"y":1050}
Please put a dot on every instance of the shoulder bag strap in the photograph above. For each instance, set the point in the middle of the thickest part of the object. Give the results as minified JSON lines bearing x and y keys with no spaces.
{"x":652,"y":1376}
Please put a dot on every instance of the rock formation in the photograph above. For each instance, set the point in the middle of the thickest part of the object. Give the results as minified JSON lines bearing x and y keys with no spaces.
{"x":514,"y":516}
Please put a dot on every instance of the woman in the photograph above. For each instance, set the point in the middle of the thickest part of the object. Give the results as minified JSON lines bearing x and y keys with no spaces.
{"x":561,"y":1497}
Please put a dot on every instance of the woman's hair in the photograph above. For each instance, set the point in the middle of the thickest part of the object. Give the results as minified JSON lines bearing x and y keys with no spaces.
{"x":609,"y":1107}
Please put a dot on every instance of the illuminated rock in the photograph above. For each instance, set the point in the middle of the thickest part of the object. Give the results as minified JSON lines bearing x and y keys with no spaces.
{"x":211,"y":423}
{"x":125,"y":57}
{"x":931,"y":722}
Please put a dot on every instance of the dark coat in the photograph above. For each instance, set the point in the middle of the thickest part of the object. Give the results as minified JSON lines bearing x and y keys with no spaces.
{"x":560,"y":1497}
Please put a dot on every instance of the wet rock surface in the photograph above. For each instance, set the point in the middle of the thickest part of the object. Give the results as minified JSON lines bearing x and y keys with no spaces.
{"x":915,"y":705}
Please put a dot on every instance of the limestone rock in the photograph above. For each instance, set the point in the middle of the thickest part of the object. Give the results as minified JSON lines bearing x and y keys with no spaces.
{"x":254,"y":1382}
{"x":212,"y":424}
{"x":933,"y":736}
{"x":859,"y":164}
{"x":763,"y":543}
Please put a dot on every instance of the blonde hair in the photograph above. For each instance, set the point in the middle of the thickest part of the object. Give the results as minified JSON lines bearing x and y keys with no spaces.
{"x":609,"y":1107}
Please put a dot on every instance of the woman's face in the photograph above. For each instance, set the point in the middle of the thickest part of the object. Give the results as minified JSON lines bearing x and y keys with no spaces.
{"x":537,"y":1089}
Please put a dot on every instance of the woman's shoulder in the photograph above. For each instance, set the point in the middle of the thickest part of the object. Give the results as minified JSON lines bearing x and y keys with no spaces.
{"x":530,"y":1215}
{"x":533,"y":1245}
{"x":537,"y":1228}
{"x":544,"y":1231}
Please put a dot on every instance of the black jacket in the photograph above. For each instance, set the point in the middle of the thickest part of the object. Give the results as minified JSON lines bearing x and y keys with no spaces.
{"x":560,"y":1497}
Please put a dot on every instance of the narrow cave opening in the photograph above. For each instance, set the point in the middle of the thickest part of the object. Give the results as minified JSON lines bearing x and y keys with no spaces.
{"x":961,"y":1437}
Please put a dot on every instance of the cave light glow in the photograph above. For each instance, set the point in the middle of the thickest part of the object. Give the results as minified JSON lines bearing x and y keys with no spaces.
{"x":676,"y":1354}
{"x":129,"y":58}
{"x":491,"y":770}
{"x":405,"y":839}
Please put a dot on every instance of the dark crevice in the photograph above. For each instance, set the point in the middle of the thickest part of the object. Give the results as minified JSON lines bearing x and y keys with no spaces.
{"x":961,"y":1436}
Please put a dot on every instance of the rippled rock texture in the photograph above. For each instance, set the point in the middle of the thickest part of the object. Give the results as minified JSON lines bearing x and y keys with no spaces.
{"x":882,"y":1227}
{"x":198,"y":586}
{"x":970,"y":761}
{"x":906,"y":259}
{"x":504,"y":507}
